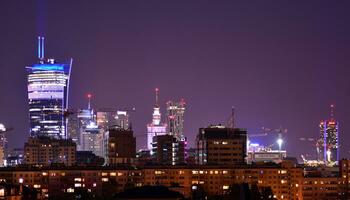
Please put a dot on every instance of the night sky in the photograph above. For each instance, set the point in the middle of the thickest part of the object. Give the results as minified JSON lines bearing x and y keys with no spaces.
{"x":280,"y":63}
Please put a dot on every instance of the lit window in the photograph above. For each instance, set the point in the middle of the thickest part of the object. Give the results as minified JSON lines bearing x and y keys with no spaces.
{"x":195,"y":182}
{"x":77,"y":185}
{"x":104,"y":174}
{"x":224,"y":172}
{"x":113,"y":174}
{"x":77,"y":179}
{"x":104,"y":179}
{"x":158,"y":172}
{"x":224,"y":142}
{"x":225,"y":187}
{"x":70,"y":190}
{"x":120,"y":174}
{"x":194,"y":172}
{"x":37,"y":186}
{"x":2,"y":192}
{"x":44,"y":173}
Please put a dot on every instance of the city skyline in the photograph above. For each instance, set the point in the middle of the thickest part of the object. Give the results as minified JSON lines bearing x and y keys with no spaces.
{"x":214,"y":61}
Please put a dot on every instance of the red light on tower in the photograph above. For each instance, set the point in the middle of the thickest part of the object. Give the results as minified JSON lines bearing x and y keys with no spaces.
{"x":89,"y":95}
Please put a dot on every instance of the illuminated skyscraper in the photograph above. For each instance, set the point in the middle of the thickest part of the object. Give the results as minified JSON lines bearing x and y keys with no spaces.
{"x":328,"y":145}
{"x":156,"y":127}
{"x":48,"y":88}
{"x":175,"y":118}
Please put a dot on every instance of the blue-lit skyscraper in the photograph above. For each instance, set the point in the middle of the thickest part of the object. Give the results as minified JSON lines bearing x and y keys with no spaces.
{"x":48,"y":87}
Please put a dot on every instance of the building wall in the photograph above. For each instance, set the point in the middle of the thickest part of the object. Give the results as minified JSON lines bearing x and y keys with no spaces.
{"x":285,"y":182}
{"x":46,"y":151}
{"x":221,"y":146}
{"x":121,"y":147}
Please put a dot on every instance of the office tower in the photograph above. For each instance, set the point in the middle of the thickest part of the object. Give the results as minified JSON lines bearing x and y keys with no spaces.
{"x":73,"y":125}
{"x":156,"y":127}
{"x":48,"y":88}
{"x":108,"y":118}
{"x":120,"y":145}
{"x":328,"y":145}
{"x":43,"y":150}
{"x":167,"y":150}
{"x":219,"y":145}
{"x":175,"y":118}
{"x":122,"y":119}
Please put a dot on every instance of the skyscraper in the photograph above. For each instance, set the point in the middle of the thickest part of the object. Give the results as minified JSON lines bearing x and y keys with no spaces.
{"x":175,"y":118}
{"x":156,"y":127}
{"x":48,"y":88}
{"x":328,"y":145}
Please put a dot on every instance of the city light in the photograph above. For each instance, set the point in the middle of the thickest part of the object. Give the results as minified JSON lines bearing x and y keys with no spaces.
{"x":279,"y":142}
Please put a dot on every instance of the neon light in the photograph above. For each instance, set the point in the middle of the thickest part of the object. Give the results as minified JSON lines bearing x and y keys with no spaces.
{"x":47,"y":67}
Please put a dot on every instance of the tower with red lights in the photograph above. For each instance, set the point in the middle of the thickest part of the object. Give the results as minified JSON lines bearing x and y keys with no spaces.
{"x":328,"y":144}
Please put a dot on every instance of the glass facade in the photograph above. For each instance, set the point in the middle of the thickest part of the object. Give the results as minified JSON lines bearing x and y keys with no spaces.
{"x":48,"y":86}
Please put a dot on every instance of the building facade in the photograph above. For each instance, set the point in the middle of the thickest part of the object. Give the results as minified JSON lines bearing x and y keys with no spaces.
{"x":46,"y":151}
{"x":219,"y":145}
{"x":167,"y":150}
{"x":48,"y":88}
{"x":175,"y":118}
{"x":121,"y":146}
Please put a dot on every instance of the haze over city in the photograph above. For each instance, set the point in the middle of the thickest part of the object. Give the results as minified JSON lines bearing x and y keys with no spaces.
{"x":278,"y":63}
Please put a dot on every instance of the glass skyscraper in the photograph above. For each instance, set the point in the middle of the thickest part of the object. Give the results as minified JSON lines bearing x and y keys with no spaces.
{"x":48,"y":87}
{"x":328,"y":144}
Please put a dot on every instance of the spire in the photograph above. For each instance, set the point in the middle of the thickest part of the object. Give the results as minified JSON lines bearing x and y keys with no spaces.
{"x":157,"y":93}
{"x":89,"y":96}
{"x":41,"y":48}
{"x":332,"y":111}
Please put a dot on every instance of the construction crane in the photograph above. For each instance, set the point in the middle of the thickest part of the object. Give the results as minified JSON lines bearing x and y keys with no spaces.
{"x":280,"y":131}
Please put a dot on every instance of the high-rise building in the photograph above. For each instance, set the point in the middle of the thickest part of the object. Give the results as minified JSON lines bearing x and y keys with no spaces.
{"x":48,"y":88}
{"x":156,"y":127}
{"x":167,"y":150}
{"x":219,"y":145}
{"x":328,"y":144}
{"x":121,"y":146}
{"x":175,"y":118}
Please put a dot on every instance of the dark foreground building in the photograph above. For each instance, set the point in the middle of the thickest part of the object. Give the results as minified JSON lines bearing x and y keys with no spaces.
{"x":219,"y":145}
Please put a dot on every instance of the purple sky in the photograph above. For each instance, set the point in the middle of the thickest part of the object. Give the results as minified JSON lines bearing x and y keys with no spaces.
{"x":280,"y":63}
